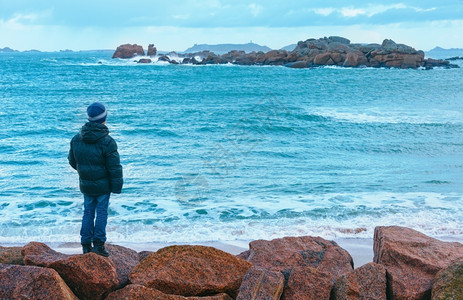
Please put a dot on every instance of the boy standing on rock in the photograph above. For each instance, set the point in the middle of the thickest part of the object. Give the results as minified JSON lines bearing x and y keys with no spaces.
{"x":94,"y":155}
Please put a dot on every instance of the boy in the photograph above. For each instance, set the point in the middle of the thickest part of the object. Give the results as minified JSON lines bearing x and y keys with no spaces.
{"x":94,"y":155}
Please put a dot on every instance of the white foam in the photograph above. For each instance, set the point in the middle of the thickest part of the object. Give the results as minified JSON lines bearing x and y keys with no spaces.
{"x":330,"y":216}
{"x":392,"y":116}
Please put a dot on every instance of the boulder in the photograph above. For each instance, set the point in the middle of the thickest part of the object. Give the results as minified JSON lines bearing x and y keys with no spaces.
{"x":401,"y":48}
{"x":398,"y":60}
{"x":124,"y":260}
{"x":367,"y":282}
{"x":323,"y":59}
{"x":389,"y":46}
{"x":140,"y":292}
{"x":151,"y":50}
{"x":287,"y":253}
{"x":144,"y":61}
{"x":298,"y":65}
{"x":338,"y":39}
{"x":339,"y":48}
{"x":28,"y":282}
{"x":90,"y":276}
{"x":191,"y":271}
{"x":320,"y":44}
{"x":308,"y":283}
{"x":128,"y":51}
{"x":246,"y":60}
{"x":291,"y":57}
{"x":39,"y":254}
{"x":448,"y":283}
{"x":194,"y":61}
{"x":412,"y":61}
{"x":412,"y":259}
{"x":354,"y":59}
{"x":213,"y":59}
{"x":11,"y":255}
{"x":259,"y":283}
{"x":274,"y":57}
{"x":431,"y":63}
{"x":374,"y":63}
{"x":369,"y":47}
{"x":311,"y":54}
{"x":164,"y":58}
{"x":338,"y":58}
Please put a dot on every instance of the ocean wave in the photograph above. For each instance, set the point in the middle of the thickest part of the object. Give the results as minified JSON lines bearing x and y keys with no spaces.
{"x":246,"y":218}
{"x":434,"y":116}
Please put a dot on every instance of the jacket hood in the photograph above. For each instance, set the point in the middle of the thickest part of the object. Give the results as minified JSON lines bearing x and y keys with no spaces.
{"x":92,"y":132}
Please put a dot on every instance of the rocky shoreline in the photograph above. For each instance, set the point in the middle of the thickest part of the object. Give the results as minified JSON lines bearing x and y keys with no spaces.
{"x":407,"y":265}
{"x":311,"y":53}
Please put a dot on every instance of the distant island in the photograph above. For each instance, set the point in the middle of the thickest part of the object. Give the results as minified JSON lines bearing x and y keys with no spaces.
{"x":8,"y":49}
{"x":311,"y":53}
{"x":225,"y":48}
{"x":443,"y":53}
{"x":289,"y":47}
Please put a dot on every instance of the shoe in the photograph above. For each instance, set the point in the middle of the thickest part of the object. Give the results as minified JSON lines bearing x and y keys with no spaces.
{"x":98,"y":248}
{"x":87,"y":248}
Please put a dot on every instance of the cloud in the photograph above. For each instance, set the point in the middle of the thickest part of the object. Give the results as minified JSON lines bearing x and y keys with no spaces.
{"x":368,"y":11}
{"x":19,"y":20}
{"x":352,"y":12}
{"x":108,"y":22}
{"x":216,"y":13}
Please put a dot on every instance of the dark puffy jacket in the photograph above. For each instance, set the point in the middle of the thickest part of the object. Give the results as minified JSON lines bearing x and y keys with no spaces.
{"x":94,"y":155}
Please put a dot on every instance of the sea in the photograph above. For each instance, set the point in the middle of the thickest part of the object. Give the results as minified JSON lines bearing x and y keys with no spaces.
{"x":232,"y":153}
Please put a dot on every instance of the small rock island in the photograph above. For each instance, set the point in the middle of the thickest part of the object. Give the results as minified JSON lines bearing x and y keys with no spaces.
{"x":327,"y":51}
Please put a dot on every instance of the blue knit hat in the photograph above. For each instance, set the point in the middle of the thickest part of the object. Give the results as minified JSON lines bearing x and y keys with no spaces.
{"x":96,"y":113}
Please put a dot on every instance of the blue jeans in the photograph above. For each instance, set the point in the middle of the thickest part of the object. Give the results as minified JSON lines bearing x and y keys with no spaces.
{"x":94,"y":229}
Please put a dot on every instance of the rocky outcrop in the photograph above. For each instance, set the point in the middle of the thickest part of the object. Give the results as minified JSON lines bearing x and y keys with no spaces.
{"x":340,"y":52}
{"x":89,"y":276}
{"x":11,"y":256}
{"x":367,"y":282}
{"x":412,"y":260}
{"x":331,"y":51}
{"x":128,"y":51}
{"x":448,"y":283}
{"x":259,"y":283}
{"x":191,"y":271}
{"x":151,"y":50}
{"x":26,"y":282}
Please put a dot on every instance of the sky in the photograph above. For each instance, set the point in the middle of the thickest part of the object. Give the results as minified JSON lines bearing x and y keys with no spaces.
{"x":50,"y":25}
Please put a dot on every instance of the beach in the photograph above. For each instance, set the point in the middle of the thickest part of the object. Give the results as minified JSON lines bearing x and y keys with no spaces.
{"x":257,"y":153}
{"x":406,"y":264}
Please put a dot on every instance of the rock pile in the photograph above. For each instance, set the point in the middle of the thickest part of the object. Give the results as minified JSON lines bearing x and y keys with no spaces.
{"x":407,"y":265}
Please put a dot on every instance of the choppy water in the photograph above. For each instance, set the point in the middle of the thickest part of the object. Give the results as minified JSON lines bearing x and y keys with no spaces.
{"x":232,"y":152}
